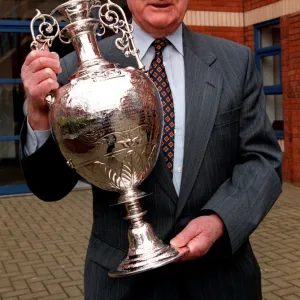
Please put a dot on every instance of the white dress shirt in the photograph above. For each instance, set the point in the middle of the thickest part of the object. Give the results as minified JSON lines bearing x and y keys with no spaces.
{"x":174,"y":65}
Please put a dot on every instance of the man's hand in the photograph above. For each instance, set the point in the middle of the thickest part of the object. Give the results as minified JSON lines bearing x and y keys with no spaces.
{"x":39,"y":78}
{"x":199,"y":235}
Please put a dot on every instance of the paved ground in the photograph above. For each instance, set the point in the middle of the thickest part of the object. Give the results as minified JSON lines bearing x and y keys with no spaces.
{"x":42,"y":247}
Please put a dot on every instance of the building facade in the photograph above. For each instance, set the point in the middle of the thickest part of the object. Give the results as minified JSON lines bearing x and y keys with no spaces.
{"x":271,"y":28}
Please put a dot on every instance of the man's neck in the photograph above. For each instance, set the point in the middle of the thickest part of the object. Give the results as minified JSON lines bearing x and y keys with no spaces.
{"x":155,"y":33}
{"x":143,"y":39}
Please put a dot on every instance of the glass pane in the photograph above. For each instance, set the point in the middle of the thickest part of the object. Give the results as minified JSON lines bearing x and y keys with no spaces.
{"x":270,"y":36}
{"x":11,"y":119}
{"x":275,"y":111}
{"x":10,"y":171}
{"x":11,"y":109}
{"x":14,"y":48}
{"x":25,"y":9}
{"x":271,"y":70}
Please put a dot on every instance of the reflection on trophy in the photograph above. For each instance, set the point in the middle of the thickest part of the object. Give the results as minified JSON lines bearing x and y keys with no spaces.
{"x":108,"y":121}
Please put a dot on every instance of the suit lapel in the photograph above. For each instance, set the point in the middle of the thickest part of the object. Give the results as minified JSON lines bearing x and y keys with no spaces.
{"x":203,"y":90}
{"x":128,"y":62}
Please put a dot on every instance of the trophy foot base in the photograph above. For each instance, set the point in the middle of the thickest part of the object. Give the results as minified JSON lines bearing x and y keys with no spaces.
{"x":146,"y":251}
{"x":149,"y":261}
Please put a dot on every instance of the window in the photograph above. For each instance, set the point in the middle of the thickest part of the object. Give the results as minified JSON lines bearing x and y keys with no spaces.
{"x":15,"y":39}
{"x":268,"y":61}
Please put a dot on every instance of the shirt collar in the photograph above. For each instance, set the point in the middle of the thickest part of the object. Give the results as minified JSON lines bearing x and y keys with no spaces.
{"x":143,"y":40}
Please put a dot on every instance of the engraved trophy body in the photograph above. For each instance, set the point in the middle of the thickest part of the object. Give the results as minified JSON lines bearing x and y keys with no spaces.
{"x":108,"y":121}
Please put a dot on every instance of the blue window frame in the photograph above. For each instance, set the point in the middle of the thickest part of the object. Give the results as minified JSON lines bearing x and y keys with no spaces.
{"x":272,"y":51}
{"x":14,"y":26}
{"x":261,"y":52}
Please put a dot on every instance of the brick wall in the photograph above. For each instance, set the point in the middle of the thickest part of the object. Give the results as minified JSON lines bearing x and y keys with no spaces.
{"x":290,"y":30}
{"x":252,"y":4}
{"x":249,"y":37}
{"x":235,"y":34}
{"x":217,"y":5}
{"x":228,"y":5}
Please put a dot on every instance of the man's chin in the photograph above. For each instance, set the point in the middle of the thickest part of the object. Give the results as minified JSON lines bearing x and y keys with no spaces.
{"x":160,"y":23}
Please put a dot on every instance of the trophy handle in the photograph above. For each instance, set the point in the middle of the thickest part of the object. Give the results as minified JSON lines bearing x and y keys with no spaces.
{"x":108,"y":16}
{"x":46,"y":31}
{"x":45,"y":37}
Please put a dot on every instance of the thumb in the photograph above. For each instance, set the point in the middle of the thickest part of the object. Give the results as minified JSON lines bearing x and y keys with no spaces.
{"x":185,"y":236}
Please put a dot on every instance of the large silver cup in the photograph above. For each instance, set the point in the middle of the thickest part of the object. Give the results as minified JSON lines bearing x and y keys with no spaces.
{"x":108,"y":121}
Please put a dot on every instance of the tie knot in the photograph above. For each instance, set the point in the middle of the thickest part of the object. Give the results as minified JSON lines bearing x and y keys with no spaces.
{"x":160,"y":44}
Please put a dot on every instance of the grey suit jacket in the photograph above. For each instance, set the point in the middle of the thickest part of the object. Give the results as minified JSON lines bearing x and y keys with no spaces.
{"x":232,"y":167}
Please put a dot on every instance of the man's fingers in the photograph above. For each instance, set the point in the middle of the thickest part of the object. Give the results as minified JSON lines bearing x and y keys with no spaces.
{"x":44,"y":74}
{"x":199,"y":235}
{"x":185,"y":236}
{"x":32,"y":82}
{"x":43,"y":88}
{"x":36,"y":54}
{"x":198,"y":246}
{"x":45,"y":62}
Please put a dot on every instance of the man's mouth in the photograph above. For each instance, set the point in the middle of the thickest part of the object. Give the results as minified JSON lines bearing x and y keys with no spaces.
{"x":161,"y":5}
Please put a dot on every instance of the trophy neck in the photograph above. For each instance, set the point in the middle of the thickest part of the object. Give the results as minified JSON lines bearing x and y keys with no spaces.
{"x":81,"y":31}
{"x":82,"y":34}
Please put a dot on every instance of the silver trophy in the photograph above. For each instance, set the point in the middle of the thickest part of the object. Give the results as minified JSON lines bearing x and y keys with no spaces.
{"x":108,"y":121}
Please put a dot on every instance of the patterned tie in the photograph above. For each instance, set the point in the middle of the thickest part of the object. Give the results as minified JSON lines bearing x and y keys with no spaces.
{"x":158,"y":75}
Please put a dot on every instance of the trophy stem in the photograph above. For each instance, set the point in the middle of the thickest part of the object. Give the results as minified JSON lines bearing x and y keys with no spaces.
{"x":146,"y":251}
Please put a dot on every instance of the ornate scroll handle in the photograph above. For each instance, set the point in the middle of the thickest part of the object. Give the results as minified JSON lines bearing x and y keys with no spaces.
{"x":109,"y":17}
{"x":45,"y":37}
{"x":46,"y":34}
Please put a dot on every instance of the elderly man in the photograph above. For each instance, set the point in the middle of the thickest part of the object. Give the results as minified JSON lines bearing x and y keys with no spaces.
{"x":223,"y":178}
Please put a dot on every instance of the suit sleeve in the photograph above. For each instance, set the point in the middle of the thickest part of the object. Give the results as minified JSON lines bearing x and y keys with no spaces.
{"x":245,"y":198}
{"x":46,"y":171}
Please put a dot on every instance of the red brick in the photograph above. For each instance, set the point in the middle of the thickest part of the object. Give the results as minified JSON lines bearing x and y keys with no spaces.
{"x":217,"y":5}
{"x":235,"y":34}
{"x":253,"y":4}
{"x":291,"y":91}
